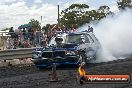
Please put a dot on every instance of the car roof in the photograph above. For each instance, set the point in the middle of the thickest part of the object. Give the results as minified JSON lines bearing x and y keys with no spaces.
{"x":79,"y":33}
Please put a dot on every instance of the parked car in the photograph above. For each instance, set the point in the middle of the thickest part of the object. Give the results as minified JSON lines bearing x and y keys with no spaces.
{"x":67,"y":49}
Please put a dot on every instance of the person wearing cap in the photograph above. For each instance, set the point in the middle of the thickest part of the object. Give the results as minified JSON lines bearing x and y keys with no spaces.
{"x":59,"y":43}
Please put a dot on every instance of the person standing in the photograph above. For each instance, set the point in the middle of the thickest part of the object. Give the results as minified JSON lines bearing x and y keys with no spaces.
{"x":24,"y":33}
{"x":12,"y":32}
{"x":9,"y":43}
{"x":90,"y":29}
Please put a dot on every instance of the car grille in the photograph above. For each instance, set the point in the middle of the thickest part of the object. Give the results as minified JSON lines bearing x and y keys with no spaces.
{"x":47,"y":54}
{"x":52,"y":54}
{"x":59,"y":53}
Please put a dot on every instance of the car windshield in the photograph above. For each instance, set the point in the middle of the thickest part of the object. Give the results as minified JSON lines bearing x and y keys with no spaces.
{"x":53,"y":42}
{"x":75,"y":38}
{"x":72,"y":38}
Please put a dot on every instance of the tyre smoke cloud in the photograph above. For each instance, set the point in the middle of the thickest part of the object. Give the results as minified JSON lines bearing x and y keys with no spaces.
{"x":114,"y":34}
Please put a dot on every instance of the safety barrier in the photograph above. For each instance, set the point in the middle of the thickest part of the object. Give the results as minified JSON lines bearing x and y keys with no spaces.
{"x":16,"y":54}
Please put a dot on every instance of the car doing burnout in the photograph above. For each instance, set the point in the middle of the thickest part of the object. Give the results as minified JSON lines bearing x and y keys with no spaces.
{"x":75,"y":48}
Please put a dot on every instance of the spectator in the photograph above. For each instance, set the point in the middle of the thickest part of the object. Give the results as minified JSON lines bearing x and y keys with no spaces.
{"x":73,"y":30}
{"x":37,"y":38}
{"x":9,"y":43}
{"x":59,"y":29}
{"x":15,"y":43}
{"x":90,"y":29}
{"x":31,"y":36}
{"x":20,"y":44}
{"x":29,"y":33}
{"x":24,"y":33}
{"x":16,"y":33}
{"x":12,"y":32}
{"x":26,"y":44}
{"x":43,"y":40}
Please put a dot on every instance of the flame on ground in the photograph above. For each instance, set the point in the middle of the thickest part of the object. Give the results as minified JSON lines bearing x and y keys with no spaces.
{"x":81,"y":71}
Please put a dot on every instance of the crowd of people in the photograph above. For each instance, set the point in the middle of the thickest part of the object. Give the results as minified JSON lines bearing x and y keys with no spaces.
{"x":28,"y":37}
{"x":25,"y":38}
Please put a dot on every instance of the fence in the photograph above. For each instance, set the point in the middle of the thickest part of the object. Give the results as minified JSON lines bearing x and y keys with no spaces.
{"x":16,"y":54}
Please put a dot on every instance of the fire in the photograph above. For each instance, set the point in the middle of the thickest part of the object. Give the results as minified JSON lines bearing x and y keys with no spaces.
{"x":81,"y":71}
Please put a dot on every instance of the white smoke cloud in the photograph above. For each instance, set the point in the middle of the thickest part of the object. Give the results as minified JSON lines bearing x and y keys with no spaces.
{"x":115,"y":35}
{"x":38,"y":1}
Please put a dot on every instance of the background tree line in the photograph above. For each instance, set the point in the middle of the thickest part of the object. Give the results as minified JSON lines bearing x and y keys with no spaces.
{"x":80,"y":14}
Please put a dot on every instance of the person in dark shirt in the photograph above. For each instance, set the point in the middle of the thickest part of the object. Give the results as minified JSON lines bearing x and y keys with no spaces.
{"x":24,"y":33}
{"x":90,"y":29}
{"x":12,"y":32}
{"x":29,"y":32}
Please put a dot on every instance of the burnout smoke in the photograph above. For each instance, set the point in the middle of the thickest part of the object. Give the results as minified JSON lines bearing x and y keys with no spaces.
{"x":115,"y":35}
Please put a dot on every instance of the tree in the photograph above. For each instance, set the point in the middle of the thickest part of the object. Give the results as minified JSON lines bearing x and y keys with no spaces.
{"x":123,"y":4}
{"x":92,"y":15}
{"x":49,"y":27}
{"x":79,"y":14}
{"x":25,"y":26}
{"x":73,"y":15}
{"x":103,"y":11}
{"x":35,"y":24}
{"x":46,"y":28}
{"x":6,"y":29}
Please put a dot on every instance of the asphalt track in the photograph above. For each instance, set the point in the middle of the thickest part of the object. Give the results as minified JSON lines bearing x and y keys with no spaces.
{"x":28,"y":76}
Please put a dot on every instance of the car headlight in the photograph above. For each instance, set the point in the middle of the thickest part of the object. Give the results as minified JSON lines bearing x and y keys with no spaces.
{"x":71,"y":53}
{"x":37,"y":55}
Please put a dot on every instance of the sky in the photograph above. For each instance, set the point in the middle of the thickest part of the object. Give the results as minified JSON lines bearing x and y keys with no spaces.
{"x":14,"y":13}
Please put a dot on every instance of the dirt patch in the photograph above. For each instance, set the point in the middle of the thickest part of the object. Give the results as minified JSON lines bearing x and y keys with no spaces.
{"x":30,"y":77}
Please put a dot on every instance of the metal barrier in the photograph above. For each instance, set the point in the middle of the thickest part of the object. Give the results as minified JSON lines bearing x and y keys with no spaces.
{"x":3,"y":33}
{"x":16,"y":54}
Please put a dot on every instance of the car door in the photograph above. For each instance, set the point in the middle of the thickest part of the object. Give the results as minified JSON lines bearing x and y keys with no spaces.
{"x":90,"y":45}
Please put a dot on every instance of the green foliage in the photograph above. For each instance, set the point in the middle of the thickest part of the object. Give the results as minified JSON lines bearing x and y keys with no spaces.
{"x":73,"y":15}
{"x":103,"y":11}
{"x":5,"y":29}
{"x":123,"y":4}
{"x":46,"y":28}
{"x":79,"y":14}
{"x":35,"y":24}
{"x":49,"y":27}
{"x":25,"y":26}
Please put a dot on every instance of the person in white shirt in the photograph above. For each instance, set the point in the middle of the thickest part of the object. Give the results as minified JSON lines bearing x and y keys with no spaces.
{"x":9,"y":43}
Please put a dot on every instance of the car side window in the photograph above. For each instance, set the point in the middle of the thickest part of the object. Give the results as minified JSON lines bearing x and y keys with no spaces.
{"x":86,"y":39}
{"x":89,"y":38}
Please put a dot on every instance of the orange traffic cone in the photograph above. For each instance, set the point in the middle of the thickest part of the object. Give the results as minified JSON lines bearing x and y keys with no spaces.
{"x":53,"y":74}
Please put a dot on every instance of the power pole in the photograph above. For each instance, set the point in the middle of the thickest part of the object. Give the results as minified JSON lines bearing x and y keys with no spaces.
{"x":41,"y":22}
{"x":58,"y":17}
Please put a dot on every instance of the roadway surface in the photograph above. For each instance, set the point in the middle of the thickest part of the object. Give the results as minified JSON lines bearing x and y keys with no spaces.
{"x":28,"y":76}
